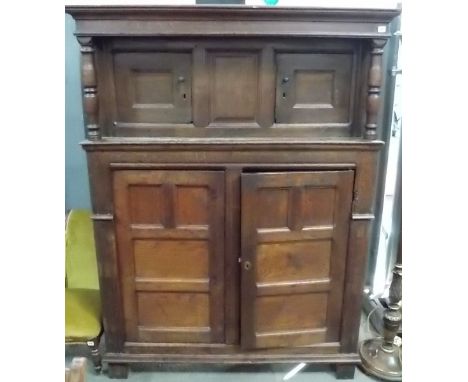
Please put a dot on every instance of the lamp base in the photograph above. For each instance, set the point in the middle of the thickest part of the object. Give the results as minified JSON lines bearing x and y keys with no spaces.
{"x":380,"y":362}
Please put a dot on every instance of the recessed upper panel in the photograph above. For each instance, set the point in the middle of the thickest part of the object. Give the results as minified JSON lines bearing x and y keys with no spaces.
{"x":236,"y":94}
{"x":153,"y":87}
{"x":234,"y":85}
{"x":314,"y":88}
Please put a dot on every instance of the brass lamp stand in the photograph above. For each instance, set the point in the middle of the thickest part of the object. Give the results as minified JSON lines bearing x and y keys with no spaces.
{"x":380,"y":356}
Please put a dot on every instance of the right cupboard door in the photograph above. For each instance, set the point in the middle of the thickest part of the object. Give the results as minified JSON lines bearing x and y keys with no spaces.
{"x":294,"y":245}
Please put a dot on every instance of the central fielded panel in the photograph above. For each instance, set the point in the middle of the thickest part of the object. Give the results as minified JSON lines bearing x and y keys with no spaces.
{"x":256,"y":83}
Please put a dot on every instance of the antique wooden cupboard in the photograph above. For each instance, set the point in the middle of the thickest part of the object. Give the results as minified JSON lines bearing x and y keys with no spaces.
{"x":232,"y":155}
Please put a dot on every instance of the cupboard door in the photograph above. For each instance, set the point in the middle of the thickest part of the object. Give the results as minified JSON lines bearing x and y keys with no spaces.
{"x":170,"y":238}
{"x":314,"y":88}
{"x":153,"y":87}
{"x":294,"y":245}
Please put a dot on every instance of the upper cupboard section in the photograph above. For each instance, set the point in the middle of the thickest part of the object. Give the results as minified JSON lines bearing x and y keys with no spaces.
{"x":230,"y":83}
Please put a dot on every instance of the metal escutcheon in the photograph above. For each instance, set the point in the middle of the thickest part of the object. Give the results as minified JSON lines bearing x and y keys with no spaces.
{"x":247,"y":265}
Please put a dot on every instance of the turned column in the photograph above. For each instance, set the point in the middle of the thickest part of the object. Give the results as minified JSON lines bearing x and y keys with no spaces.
{"x":374,"y":86}
{"x":89,"y":87}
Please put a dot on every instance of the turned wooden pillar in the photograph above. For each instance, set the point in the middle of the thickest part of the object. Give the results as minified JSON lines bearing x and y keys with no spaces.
{"x":89,"y":86}
{"x":374,"y":86}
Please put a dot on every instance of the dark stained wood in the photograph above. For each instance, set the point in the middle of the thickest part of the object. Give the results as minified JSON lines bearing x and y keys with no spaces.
{"x":374,"y":83}
{"x":234,"y":87}
{"x":232,"y":252}
{"x":153,"y":86}
{"x":142,"y":89}
{"x":230,"y":21}
{"x":202,"y":172}
{"x":224,"y":349}
{"x":333,"y":155}
{"x":354,"y":283}
{"x":172,"y":284}
{"x":89,"y":87}
{"x":237,"y":358}
{"x":113,"y":320}
{"x":315,"y":88}
{"x":281,"y":276}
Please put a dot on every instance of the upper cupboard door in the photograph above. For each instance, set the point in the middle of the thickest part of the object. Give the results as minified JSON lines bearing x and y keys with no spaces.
{"x":170,"y":242}
{"x":153,"y":87}
{"x":315,"y":88}
{"x":294,"y":245}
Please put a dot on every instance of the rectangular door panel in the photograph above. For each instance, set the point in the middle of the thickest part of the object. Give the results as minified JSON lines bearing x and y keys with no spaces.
{"x":314,"y":88}
{"x":294,"y":239}
{"x":170,"y":238}
{"x":234,"y":88}
{"x":153,"y":87}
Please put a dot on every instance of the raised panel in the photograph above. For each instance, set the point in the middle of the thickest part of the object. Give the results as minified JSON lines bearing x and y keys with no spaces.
{"x":152,"y":210}
{"x":293,"y":276}
{"x":234,"y":87}
{"x":291,"y":312}
{"x":304,"y":260}
{"x":169,"y":310}
{"x":318,"y":206}
{"x":152,"y":87}
{"x":273,"y":217}
{"x":192,"y":205}
{"x":315,"y":88}
{"x":171,"y":257}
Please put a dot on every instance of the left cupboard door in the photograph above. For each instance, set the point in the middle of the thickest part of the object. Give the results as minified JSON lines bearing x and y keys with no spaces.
{"x":170,"y":243}
{"x":153,"y":87}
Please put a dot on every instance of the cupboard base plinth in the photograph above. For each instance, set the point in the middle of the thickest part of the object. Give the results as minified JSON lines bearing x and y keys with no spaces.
{"x":345,"y":371}
{"x":118,"y":370}
{"x":344,"y":363}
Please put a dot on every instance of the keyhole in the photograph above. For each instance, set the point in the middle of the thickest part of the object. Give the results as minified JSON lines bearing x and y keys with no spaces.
{"x":184,"y":95}
{"x":284,"y":95}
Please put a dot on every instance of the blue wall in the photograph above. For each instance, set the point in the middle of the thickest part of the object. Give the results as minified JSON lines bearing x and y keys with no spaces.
{"x":76,"y":171}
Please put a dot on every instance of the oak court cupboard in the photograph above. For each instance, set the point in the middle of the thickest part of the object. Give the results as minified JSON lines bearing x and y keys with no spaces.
{"x":232,"y":155}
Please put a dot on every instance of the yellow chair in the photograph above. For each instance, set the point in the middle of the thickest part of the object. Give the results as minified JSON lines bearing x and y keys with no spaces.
{"x":83,"y":320}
